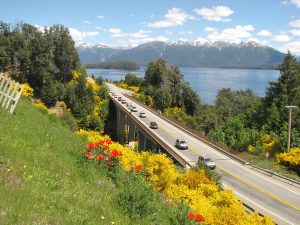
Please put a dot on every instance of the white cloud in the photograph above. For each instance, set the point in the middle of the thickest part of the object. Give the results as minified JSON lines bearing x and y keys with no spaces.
{"x":168,"y":32}
{"x":40,"y":28}
{"x":282,"y":38}
{"x":100,"y":17}
{"x":210,"y":29}
{"x":185,"y":32}
{"x":295,"y":32}
{"x":217,"y":13}
{"x":138,"y":41}
{"x":79,"y":36}
{"x":87,"y":22}
{"x":98,"y":28}
{"x":174,"y":17}
{"x":295,"y":23}
{"x":115,"y":30}
{"x":293,"y":47}
{"x":138,"y":34}
{"x":264,"y":33}
{"x":296,"y":2}
{"x":233,"y":35}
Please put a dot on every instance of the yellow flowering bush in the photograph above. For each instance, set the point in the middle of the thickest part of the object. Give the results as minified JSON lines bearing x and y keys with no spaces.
{"x":266,"y":143}
{"x":122,"y":85}
{"x":291,"y":158}
{"x":40,"y":105}
{"x":134,"y":88}
{"x":27,"y":90}
{"x":192,"y":187}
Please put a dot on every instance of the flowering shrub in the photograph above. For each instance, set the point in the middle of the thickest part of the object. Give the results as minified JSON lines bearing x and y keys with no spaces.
{"x":40,"y":105}
{"x":266,"y":143}
{"x":210,"y":204}
{"x":27,"y":90}
{"x":291,"y":159}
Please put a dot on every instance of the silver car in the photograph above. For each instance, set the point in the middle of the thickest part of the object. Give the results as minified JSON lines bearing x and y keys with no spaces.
{"x":207,"y":161}
{"x":181,"y":143}
{"x":142,"y":115}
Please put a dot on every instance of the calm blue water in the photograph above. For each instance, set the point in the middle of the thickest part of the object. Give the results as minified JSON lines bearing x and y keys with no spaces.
{"x":207,"y":81}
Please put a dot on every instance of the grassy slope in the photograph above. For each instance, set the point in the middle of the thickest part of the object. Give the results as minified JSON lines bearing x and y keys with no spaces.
{"x":41,"y":181}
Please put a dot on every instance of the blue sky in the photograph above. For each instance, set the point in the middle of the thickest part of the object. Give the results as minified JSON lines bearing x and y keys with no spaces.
{"x":131,"y":22}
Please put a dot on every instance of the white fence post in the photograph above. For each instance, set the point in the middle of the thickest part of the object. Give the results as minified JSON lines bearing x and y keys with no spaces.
{"x":10,"y":92}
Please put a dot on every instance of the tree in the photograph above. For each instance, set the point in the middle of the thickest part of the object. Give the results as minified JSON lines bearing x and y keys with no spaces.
{"x":190,"y":99}
{"x":230,"y":103}
{"x":155,"y":72}
{"x":175,"y":78}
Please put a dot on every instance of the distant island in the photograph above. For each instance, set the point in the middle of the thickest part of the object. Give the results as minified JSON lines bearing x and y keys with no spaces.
{"x":117,"y":65}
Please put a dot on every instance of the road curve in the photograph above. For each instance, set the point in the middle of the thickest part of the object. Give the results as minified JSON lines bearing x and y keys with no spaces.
{"x":264,"y":193}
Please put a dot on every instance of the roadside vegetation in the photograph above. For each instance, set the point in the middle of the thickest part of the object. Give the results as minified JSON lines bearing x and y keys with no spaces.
{"x":249,"y":125}
{"x":50,"y":176}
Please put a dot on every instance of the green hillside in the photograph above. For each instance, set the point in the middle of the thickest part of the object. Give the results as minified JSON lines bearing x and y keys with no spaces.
{"x":41,"y":181}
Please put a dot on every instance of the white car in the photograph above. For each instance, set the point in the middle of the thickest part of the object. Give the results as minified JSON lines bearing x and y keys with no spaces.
{"x":142,"y":115}
{"x":133,"y":109}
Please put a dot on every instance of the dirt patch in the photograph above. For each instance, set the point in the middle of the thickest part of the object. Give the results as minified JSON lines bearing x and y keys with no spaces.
{"x":9,"y":176}
{"x":58,"y":108}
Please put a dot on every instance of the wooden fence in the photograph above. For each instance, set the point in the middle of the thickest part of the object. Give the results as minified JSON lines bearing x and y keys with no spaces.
{"x":10,"y":92}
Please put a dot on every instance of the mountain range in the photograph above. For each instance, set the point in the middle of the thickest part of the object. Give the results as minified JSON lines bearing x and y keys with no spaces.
{"x":183,"y":53}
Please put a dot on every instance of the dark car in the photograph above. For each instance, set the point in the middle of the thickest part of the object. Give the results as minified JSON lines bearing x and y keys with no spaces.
{"x":181,"y":143}
{"x":153,"y":125}
{"x":207,"y":161}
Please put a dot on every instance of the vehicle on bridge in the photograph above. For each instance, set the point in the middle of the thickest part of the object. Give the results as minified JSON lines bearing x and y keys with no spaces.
{"x":153,"y":125}
{"x":142,"y":115}
{"x":207,"y":161}
{"x":180,"y":143}
{"x":133,"y":109}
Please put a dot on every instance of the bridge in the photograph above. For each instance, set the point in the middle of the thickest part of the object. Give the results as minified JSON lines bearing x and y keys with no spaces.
{"x":267,"y":194}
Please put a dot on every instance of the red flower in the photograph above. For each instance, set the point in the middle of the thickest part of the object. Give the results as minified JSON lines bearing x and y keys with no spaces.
{"x":108,"y":141}
{"x":105,"y":148}
{"x":101,"y":142}
{"x":89,"y":155}
{"x":91,"y":145}
{"x":110,"y":163}
{"x":114,"y":153}
{"x":191,"y":216}
{"x":99,"y":157}
{"x":199,"y":218}
{"x":139,"y":167}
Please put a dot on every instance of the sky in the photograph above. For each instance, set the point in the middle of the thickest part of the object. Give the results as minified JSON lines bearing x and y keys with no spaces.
{"x":116,"y":23}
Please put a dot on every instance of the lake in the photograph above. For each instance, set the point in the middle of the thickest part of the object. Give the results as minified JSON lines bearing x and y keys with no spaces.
{"x":207,"y":81}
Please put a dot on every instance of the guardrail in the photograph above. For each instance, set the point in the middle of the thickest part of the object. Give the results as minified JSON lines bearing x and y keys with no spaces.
{"x":153,"y":135}
{"x":273,"y":174}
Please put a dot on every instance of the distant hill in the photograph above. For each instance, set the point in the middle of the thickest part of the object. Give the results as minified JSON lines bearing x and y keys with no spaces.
{"x":194,"y":54}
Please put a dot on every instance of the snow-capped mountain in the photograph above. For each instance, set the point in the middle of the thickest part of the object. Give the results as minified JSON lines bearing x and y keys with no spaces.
{"x":185,"y":53}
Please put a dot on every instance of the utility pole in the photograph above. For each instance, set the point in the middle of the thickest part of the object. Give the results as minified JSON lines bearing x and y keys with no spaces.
{"x":290,"y":108}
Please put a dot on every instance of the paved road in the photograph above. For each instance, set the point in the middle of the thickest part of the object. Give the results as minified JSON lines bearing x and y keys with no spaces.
{"x":264,"y":193}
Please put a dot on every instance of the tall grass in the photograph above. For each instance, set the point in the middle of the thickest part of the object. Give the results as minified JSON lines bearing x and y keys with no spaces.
{"x":41,"y":181}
